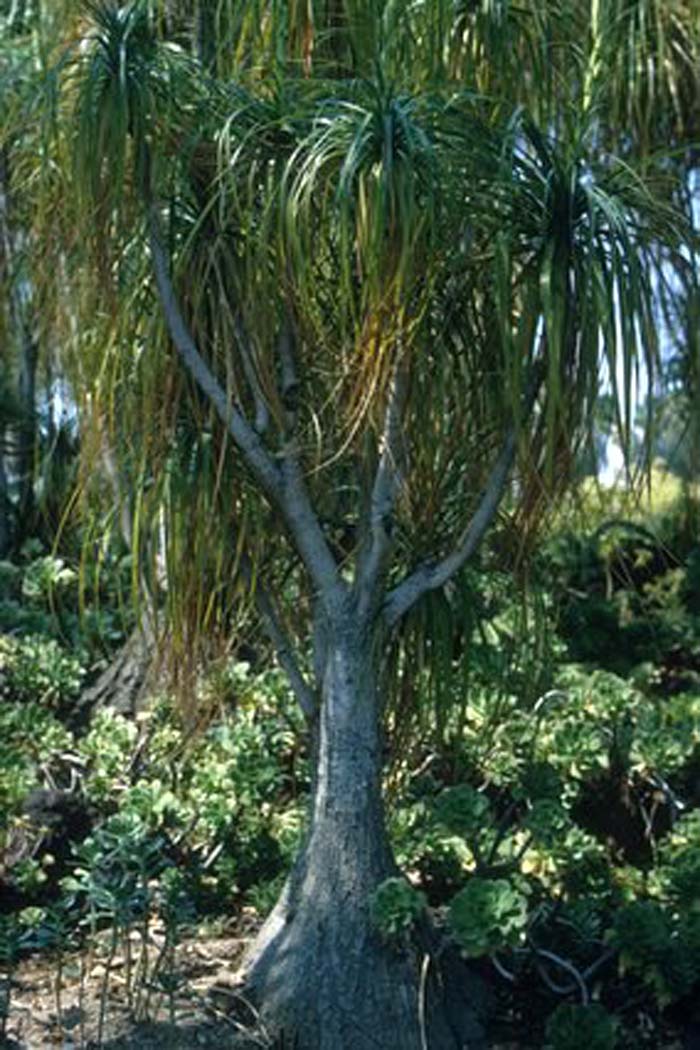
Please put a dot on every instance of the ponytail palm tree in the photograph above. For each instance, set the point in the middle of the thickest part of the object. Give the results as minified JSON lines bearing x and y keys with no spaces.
{"x":365,"y":265}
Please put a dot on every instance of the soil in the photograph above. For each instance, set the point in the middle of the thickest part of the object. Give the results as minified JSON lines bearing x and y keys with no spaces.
{"x":207,"y":1010}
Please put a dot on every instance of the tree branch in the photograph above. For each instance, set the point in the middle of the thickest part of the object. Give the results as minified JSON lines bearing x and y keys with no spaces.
{"x":284,"y":483}
{"x":262,"y":413}
{"x":289,"y":381}
{"x":256,"y":456}
{"x":385,"y":490}
{"x":306,"y":529}
{"x":281,"y":643}
{"x":429,"y":576}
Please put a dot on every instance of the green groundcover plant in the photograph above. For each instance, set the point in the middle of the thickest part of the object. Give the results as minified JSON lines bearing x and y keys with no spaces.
{"x":549,"y":820}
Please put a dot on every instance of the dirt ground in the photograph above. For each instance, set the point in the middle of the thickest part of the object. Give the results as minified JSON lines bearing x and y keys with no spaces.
{"x":205,"y":1009}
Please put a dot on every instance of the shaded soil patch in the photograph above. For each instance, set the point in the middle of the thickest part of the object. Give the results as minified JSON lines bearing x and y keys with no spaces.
{"x":205,"y":1009}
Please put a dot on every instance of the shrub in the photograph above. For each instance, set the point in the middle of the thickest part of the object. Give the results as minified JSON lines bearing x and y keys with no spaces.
{"x":573,"y":1027}
{"x":32,"y":740}
{"x":396,"y":906}
{"x":35,"y":668}
{"x":488,"y":915}
{"x":654,"y":946}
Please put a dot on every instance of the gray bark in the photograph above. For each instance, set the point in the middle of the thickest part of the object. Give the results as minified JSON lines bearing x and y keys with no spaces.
{"x":319,"y":971}
{"x":373,"y":562}
{"x":284,"y":651}
{"x":205,"y":34}
{"x":21,"y":313}
{"x":125,"y":683}
{"x":15,"y":19}
{"x":431,"y":576}
{"x":283,"y":483}
{"x":27,"y":432}
{"x":5,"y":505}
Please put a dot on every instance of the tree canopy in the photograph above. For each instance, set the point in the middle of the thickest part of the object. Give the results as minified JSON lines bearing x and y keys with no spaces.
{"x":463,"y":204}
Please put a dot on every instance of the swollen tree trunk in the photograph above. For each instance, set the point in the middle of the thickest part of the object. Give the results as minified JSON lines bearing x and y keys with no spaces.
{"x":319,"y":971}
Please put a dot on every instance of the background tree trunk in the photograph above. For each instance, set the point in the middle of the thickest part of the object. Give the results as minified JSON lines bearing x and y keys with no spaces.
{"x":5,"y":504}
{"x":27,"y":432}
{"x":124,"y":684}
{"x":13,"y":268}
{"x":319,"y":971}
